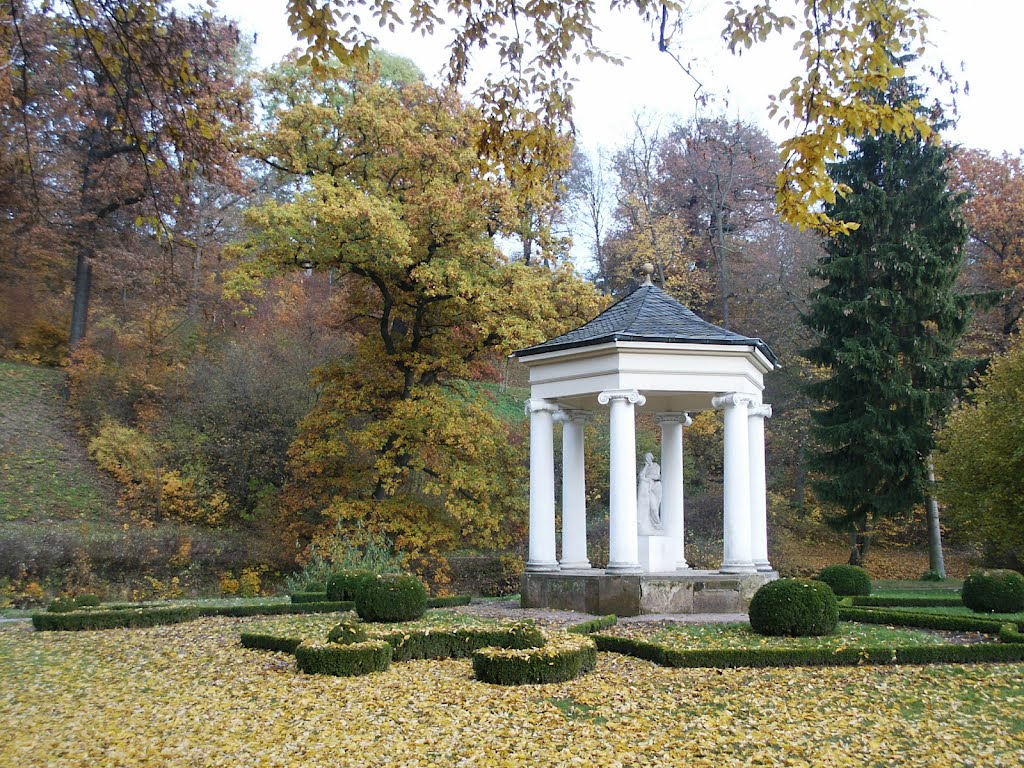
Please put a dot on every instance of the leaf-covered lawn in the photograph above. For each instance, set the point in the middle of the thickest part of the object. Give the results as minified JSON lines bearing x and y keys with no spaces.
{"x":316,"y":626}
{"x":188,"y":695}
{"x":847,"y":635}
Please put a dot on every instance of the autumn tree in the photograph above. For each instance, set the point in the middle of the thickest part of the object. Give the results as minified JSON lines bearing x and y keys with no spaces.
{"x":980,"y":461}
{"x":397,"y":203}
{"x":887,"y":319}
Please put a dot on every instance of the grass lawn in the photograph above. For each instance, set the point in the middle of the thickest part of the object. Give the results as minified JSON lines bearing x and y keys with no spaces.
{"x":964,"y":611}
{"x":847,"y":635}
{"x":189,"y":695}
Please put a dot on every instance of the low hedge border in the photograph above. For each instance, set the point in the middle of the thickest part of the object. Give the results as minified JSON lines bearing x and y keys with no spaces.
{"x":1009,"y":633}
{"x":278,"y":609}
{"x":458,"y":642}
{"x":76,"y":621}
{"x":343,"y":660}
{"x":920,"y":620}
{"x":808,"y":657}
{"x":594,"y":625}
{"x":262,"y":642}
{"x":448,"y":602}
{"x":309,"y":597}
{"x":564,"y":657}
{"x":878,"y":601}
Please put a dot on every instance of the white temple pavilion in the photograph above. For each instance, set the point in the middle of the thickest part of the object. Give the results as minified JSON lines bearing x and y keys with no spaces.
{"x":647,"y":351}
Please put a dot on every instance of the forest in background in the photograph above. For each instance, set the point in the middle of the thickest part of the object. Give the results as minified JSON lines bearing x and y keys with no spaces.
{"x":284,"y":302}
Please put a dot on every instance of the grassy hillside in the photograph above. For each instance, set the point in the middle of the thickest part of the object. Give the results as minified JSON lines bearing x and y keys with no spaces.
{"x":45,"y":474}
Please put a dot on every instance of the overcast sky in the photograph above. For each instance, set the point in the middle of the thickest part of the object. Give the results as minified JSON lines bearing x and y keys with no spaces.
{"x":981,"y":36}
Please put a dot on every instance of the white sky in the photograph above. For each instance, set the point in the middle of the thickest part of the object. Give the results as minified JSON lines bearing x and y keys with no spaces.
{"x":981,"y":36}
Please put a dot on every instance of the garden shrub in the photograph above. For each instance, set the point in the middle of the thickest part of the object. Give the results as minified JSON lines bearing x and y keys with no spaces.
{"x":346,"y":633}
{"x":922,"y":620}
{"x":846,"y":580}
{"x":315,"y":586}
{"x":994,"y":591}
{"x":448,"y":602}
{"x":344,"y":584}
{"x":62,"y":605}
{"x":391,"y":598}
{"x":563,"y":657}
{"x":309,"y":597}
{"x":794,"y":607}
{"x":594,"y":625}
{"x":931,"y":576}
{"x":343,"y":660}
{"x":1010,"y":633}
{"x":276,"y":609}
{"x":137,"y":617}
{"x":87,"y":601}
{"x":924,"y":601}
{"x":458,"y":642}
{"x":262,"y":642}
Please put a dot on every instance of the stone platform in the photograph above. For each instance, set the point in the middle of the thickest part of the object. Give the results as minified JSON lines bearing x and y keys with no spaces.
{"x":597,"y":592}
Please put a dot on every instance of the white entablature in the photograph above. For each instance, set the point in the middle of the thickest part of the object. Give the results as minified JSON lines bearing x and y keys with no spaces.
{"x":647,"y":351}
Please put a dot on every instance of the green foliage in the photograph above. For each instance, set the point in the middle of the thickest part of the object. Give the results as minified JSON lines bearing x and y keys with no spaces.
{"x":277,"y":609}
{"x":563,"y":657}
{"x":797,"y":607}
{"x":448,"y":602}
{"x":980,"y":463}
{"x":926,"y":601}
{"x":88,"y":600}
{"x":458,"y":642}
{"x":343,"y":660}
{"x":310,"y":597}
{"x":345,"y":584}
{"x":122,"y":619}
{"x":347,"y":632}
{"x":1009,"y":633}
{"x":932,"y":576}
{"x":62,"y":605}
{"x":846,"y":580}
{"x":391,"y":598}
{"x":923,"y":619}
{"x":887,"y":317}
{"x":994,"y":591}
{"x":264,"y":642}
{"x":315,"y":586}
{"x":594,"y":625}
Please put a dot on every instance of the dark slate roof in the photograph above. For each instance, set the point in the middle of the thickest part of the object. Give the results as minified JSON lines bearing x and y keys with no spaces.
{"x":647,"y":314}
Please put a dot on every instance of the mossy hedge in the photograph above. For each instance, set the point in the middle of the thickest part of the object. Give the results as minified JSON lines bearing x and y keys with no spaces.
{"x":846,"y":580}
{"x":119,"y":619}
{"x":343,"y":660}
{"x":563,"y":657}
{"x":264,"y":642}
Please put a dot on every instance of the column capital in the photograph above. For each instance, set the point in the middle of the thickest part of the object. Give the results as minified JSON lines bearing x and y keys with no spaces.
{"x":673,"y":417}
{"x":536,"y":404}
{"x":731,"y":399}
{"x":572,"y":414}
{"x":629,"y":395}
{"x":760,"y":411}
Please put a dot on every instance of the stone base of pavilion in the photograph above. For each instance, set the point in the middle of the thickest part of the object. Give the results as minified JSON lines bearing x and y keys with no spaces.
{"x":596,"y":592}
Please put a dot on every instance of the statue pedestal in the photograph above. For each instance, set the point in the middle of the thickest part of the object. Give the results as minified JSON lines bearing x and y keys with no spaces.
{"x":656,"y":554}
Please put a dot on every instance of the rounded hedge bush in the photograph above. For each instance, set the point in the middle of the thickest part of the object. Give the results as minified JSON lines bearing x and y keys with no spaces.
{"x":343,"y":660}
{"x":88,"y":600}
{"x":346,"y":633}
{"x":563,"y":657}
{"x":345,"y":584}
{"x":794,"y":607}
{"x":846,"y":580}
{"x":391,"y":597}
{"x":63,"y":605}
{"x":314,"y":586}
{"x":994,"y":591}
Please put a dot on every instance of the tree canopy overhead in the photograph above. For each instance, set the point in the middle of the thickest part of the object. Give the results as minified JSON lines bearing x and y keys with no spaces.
{"x":848,"y":49}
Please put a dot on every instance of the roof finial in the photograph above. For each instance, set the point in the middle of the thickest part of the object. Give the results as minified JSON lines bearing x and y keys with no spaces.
{"x":648,"y":270}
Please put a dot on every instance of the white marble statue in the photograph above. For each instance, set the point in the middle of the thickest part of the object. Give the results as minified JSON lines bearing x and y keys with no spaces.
{"x":648,"y":497}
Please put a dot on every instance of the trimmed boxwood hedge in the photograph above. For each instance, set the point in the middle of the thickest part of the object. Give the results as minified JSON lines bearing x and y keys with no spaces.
{"x":563,"y":657}
{"x":308,"y":597}
{"x":920,"y":620}
{"x":343,"y":660}
{"x":262,"y":642}
{"x":458,"y":642}
{"x":130,"y":618}
{"x":277,"y":609}
{"x":879,"y":601}
{"x":63,"y":605}
{"x":346,"y":633}
{"x":794,"y":607}
{"x":846,"y":580}
{"x":88,"y":600}
{"x":346,"y":583}
{"x":391,"y":598}
{"x":994,"y":591}
{"x":808,"y":657}
{"x":594,"y":625}
{"x":448,"y":602}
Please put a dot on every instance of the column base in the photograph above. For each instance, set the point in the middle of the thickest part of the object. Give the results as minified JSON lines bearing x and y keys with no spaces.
{"x":682,"y":565}
{"x":763,"y":566}
{"x":623,"y":568}
{"x":578,"y":565}
{"x":542,"y":566}
{"x":737,"y":568}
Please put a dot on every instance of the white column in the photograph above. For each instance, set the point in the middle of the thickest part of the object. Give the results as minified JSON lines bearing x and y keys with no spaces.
{"x":758,"y":487}
{"x":574,"y":492}
{"x":623,"y":546}
{"x":736,"y":556}
{"x":542,"y":486}
{"x":672,"y":486}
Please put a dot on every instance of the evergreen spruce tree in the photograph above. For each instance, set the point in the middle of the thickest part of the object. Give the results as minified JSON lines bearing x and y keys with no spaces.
{"x":887,"y":318}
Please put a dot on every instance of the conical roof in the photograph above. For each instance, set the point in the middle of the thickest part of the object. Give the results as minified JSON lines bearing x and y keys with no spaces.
{"x":647,"y":314}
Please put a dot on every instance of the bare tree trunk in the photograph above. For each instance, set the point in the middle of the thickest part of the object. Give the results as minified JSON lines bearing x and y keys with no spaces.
{"x":859,"y":543}
{"x":80,"y":306}
{"x":936,"y":561}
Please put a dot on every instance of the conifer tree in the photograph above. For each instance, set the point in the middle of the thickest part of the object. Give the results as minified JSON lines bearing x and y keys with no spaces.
{"x":887,"y":317}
